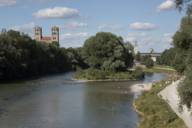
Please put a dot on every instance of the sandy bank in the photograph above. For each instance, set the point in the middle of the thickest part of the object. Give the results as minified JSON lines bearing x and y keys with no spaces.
{"x":170,"y":95}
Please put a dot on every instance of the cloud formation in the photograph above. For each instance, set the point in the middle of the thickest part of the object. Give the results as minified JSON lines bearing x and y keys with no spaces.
{"x":75,"y":25}
{"x":25,"y":28}
{"x":143,"y":26}
{"x":73,"y":39}
{"x":109,"y":27}
{"x":168,"y":38}
{"x":167,"y":5}
{"x":57,"y":13}
{"x":7,"y":2}
{"x":146,"y":41}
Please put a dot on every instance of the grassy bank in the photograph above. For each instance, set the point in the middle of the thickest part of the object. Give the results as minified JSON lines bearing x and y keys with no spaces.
{"x":160,"y":69}
{"x":155,"y":112}
{"x":94,"y":74}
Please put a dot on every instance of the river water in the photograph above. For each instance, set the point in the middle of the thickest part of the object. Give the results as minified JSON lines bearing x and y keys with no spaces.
{"x":59,"y":102}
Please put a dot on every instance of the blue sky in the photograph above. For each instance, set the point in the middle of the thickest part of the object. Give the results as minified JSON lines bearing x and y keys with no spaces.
{"x":151,"y":23}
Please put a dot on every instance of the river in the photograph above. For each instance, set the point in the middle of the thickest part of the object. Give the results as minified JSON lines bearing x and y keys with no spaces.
{"x":59,"y":102}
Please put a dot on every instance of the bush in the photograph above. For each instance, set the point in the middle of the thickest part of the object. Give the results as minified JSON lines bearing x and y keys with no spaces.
{"x":185,"y":90}
{"x":146,"y":60}
{"x":138,"y":73}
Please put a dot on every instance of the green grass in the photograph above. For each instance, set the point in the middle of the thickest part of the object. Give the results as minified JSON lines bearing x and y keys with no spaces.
{"x":156,"y":113}
{"x":95,"y":74}
{"x":159,"y":69}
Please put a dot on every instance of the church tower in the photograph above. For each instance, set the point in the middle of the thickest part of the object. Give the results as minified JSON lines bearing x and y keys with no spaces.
{"x":55,"y":34}
{"x":38,"y":33}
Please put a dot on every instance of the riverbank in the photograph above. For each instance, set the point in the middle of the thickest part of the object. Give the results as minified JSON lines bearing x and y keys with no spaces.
{"x":101,"y":75}
{"x":160,"y":69}
{"x":171,"y":96}
{"x":154,"y":111}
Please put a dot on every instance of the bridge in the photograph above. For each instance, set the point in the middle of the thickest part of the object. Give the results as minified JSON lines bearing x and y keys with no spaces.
{"x":154,"y":56}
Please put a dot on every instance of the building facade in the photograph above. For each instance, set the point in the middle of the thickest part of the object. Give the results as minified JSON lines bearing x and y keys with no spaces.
{"x":54,"y":37}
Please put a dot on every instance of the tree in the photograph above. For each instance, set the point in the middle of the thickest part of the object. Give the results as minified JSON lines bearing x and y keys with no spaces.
{"x":107,"y":51}
{"x":183,"y":41}
{"x":138,"y":56}
{"x":183,"y":37}
{"x":182,"y":4}
{"x":149,"y":62}
{"x":185,"y":89}
{"x":146,"y":60}
{"x":22,"y":57}
{"x":76,"y":58}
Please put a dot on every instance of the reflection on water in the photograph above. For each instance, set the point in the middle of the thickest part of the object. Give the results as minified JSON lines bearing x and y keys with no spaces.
{"x":58,"y":102}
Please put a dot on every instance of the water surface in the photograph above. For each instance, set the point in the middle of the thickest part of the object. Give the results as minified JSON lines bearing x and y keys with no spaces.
{"x":59,"y":102}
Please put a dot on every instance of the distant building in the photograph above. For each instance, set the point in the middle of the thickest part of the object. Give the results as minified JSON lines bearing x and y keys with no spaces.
{"x":47,"y":39}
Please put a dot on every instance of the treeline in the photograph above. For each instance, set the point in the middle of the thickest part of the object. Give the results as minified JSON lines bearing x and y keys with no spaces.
{"x":180,"y":57}
{"x":108,"y":52}
{"x":21,"y":57}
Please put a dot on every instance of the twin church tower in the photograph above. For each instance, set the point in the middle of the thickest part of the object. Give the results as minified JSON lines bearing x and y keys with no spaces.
{"x":54,"y":37}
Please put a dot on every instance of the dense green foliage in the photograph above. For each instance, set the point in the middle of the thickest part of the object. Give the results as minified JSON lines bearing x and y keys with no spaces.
{"x":185,"y":89}
{"x":138,"y":56}
{"x":22,"y":57}
{"x":180,"y":56}
{"x":76,"y":59}
{"x":174,"y":57}
{"x":96,"y":74}
{"x":108,"y":52}
{"x":182,"y":38}
{"x":183,"y":42}
{"x":167,"y":57}
{"x":184,"y":5}
{"x":108,"y":58}
{"x":155,"y":111}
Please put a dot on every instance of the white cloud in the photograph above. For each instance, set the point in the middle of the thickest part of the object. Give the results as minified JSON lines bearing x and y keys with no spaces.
{"x":7,"y":2}
{"x":109,"y":27}
{"x":75,"y":25}
{"x":147,"y":41}
{"x":142,"y":26}
{"x":167,"y":38}
{"x":73,"y":39}
{"x":25,"y":28}
{"x":166,"y":5}
{"x":74,"y":35}
{"x":56,"y":12}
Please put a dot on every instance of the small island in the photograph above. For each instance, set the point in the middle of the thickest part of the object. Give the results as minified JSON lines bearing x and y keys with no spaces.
{"x":108,"y":58}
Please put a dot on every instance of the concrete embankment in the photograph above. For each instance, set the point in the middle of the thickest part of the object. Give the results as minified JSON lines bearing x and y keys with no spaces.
{"x":170,"y":95}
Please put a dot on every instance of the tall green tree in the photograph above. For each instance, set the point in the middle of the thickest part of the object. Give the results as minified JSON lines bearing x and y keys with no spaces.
{"x":107,"y":51}
{"x":185,"y":89}
{"x":183,"y":37}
